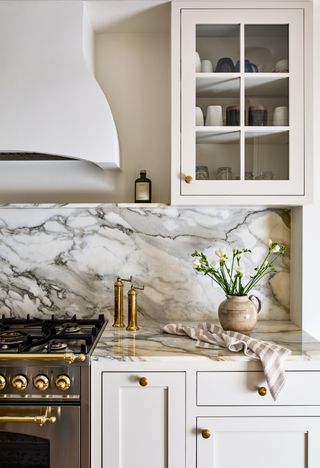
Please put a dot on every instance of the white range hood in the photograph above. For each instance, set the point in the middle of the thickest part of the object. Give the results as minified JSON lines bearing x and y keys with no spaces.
{"x":50,"y":102}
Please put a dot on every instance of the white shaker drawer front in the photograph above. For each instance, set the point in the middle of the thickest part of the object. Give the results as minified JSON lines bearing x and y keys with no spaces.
{"x":250,"y":388}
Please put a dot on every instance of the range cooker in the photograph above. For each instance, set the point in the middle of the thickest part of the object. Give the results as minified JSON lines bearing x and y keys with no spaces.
{"x":45,"y":391}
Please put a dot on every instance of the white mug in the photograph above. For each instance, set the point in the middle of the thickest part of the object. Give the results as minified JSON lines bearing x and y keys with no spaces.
{"x":206,"y":66}
{"x":198,"y":63}
{"x":281,"y":116}
{"x":199,"y":117}
{"x":214,"y":116}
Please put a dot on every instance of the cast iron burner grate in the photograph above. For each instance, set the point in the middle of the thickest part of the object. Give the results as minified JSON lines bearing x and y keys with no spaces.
{"x":53,"y":335}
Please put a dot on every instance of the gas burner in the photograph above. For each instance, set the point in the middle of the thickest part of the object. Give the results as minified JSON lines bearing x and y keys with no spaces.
{"x":57,"y":346}
{"x":11,"y":338}
{"x":70,"y":328}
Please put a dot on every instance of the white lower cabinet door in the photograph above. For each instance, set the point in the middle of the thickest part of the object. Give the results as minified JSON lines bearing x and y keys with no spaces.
{"x":143,"y":420}
{"x":264,"y":442}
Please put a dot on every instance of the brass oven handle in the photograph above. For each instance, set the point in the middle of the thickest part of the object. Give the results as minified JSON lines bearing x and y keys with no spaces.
{"x":40,"y":419}
{"x":68,"y":358}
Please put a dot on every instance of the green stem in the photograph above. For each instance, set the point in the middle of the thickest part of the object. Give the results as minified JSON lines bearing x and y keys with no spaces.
{"x":224,"y":278}
{"x":218,"y":281}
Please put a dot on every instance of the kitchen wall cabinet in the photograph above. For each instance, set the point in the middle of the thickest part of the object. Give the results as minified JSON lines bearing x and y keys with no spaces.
{"x":143,"y":420}
{"x":253,"y":144}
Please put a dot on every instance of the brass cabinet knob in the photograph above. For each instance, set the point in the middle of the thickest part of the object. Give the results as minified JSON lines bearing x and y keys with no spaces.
{"x":206,"y":434}
{"x":262,"y":391}
{"x":143,"y":381}
{"x":3,"y":382}
{"x":63,"y":382}
{"x":19,"y":382}
{"x":41,"y":382}
{"x":188,"y":179}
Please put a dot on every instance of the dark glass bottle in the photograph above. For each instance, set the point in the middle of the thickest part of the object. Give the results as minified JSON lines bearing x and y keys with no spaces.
{"x":142,"y":188}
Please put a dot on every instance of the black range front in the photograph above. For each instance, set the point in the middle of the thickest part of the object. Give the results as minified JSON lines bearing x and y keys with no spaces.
{"x":45,"y":392}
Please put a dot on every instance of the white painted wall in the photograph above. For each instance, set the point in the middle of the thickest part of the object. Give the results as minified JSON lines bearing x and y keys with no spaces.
{"x":133,"y":70}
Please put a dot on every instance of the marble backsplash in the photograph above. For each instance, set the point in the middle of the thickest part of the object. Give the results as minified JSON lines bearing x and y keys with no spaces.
{"x":63,"y":259}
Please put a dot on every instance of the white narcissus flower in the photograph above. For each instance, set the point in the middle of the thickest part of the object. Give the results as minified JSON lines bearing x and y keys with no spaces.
{"x":221,"y":253}
{"x":275,"y":248}
{"x":196,"y":263}
{"x":215,"y":266}
{"x":265,"y":264}
{"x":240,"y":272}
{"x":270,"y":243}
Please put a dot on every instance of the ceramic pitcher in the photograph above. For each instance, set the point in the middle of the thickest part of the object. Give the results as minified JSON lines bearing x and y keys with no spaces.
{"x":239,"y":313}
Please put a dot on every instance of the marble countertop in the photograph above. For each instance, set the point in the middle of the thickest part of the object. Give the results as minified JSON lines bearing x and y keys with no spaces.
{"x":150,"y":343}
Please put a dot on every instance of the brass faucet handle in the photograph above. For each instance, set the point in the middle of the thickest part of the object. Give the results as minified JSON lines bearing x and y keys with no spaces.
{"x":127,"y":280}
{"x":137,"y":287}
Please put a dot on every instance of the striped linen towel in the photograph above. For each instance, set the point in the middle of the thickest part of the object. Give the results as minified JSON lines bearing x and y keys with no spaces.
{"x":271,"y":355}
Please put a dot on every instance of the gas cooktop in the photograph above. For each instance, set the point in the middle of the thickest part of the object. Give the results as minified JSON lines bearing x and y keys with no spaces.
{"x":33,"y":335}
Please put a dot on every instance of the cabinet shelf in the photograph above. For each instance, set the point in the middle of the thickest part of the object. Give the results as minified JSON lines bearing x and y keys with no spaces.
{"x":228,"y":84}
{"x":231,"y":135}
{"x":267,"y":85}
{"x":217,"y":84}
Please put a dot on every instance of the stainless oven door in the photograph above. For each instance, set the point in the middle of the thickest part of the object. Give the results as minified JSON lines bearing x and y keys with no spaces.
{"x":39,"y":436}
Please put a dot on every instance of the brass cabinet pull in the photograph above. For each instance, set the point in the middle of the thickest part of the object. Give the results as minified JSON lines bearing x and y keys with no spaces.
{"x":143,"y":381}
{"x":68,"y":358}
{"x":188,"y":179}
{"x":262,"y":391}
{"x":40,"y":419}
{"x":206,"y":434}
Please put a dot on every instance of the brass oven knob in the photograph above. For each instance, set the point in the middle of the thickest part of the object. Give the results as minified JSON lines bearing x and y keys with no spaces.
{"x":63,"y":382}
{"x":262,"y":391}
{"x":188,"y":179}
{"x":206,"y":434}
{"x":19,"y":382}
{"x":3,"y":382}
{"x":143,"y":381}
{"x":41,"y":382}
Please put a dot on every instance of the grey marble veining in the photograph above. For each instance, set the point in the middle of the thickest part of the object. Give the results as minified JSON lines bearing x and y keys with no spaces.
{"x":150,"y":343}
{"x":64,"y":259}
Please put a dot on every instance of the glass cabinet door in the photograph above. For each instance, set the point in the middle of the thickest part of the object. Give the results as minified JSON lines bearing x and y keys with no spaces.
{"x":242,"y":102}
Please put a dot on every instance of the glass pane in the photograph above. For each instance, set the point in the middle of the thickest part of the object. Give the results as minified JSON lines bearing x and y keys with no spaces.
{"x":267,"y":101}
{"x":267,"y":156}
{"x":217,"y":101}
{"x":267,"y":48}
{"x":23,"y":451}
{"x":218,"y":156}
{"x":218,"y":48}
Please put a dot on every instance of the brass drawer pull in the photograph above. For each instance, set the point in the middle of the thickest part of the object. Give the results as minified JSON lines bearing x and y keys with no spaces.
{"x":143,"y":381}
{"x":188,"y":179}
{"x":262,"y":391}
{"x":206,"y":434}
